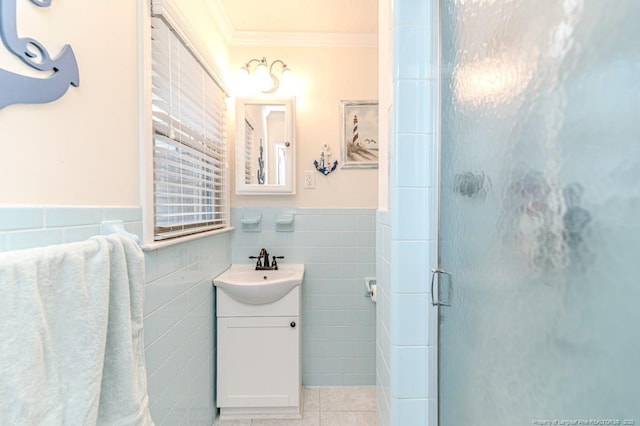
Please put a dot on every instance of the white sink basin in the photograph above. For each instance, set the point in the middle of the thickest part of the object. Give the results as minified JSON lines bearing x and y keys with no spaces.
{"x":246,"y":285}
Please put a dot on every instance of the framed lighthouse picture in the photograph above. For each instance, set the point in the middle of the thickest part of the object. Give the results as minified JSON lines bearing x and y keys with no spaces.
{"x":359,"y":134}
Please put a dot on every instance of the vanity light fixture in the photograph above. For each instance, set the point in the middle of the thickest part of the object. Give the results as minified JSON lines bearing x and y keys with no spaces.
{"x":262,"y":75}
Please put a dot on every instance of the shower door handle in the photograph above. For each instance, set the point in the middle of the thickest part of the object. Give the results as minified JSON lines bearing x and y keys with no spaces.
{"x":434,"y":301}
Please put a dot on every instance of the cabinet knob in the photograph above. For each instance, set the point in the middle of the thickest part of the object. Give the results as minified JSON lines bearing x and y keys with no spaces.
{"x":293,"y":324}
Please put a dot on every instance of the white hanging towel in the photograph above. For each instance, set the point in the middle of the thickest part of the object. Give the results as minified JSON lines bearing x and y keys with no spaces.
{"x":71,"y":348}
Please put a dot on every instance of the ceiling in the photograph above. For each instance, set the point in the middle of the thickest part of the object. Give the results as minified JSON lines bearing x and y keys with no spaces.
{"x":355,"y":20}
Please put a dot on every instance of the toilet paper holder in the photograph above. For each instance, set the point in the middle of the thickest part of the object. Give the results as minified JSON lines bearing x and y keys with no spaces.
{"x":369,"y":284}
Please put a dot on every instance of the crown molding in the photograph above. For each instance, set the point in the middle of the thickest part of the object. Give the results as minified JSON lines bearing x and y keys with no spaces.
{"x":222,"y":19}
{"x":292,"y":39}
{"x":302,"y":39}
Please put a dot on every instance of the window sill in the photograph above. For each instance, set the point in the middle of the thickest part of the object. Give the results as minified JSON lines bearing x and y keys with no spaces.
{"x":155,"y":245}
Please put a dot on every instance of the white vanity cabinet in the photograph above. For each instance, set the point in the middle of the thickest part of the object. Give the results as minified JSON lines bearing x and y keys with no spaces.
{"x":258,"y":357}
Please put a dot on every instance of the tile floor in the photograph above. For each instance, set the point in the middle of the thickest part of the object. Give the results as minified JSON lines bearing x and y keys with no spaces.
{"x":327,"y":406}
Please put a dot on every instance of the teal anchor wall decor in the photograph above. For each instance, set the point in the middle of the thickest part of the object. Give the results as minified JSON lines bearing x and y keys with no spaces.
{"x":21,"y":89}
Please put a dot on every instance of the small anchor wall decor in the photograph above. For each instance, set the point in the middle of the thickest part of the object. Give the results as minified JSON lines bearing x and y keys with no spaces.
{"x":325,"y":166}
{"x":21,"y":89}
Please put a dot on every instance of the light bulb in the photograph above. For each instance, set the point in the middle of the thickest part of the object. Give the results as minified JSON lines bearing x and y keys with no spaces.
{"x":242,"y":82}
{"x":262,"y":79}
{"x":288,"y":81}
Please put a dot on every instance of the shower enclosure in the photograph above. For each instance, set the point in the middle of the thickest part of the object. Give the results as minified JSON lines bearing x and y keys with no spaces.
{"x":539,"y":213}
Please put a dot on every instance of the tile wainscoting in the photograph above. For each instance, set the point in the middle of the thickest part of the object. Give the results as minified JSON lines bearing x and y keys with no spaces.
{"x":179,"y":301}
{"x":337,"y":247}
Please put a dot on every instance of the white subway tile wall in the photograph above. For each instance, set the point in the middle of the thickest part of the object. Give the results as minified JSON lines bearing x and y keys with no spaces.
{"x":28,"y":227}
{"x":15,"y":218}
{"x":72,"y":216}
{"x":180,"y":335}
{"x":337,"y":247}
{"x":383,"y":317}
{"x":406,"y":342}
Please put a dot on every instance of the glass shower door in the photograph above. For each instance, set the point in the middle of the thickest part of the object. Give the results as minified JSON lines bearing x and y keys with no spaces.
{"x":540,"y":213}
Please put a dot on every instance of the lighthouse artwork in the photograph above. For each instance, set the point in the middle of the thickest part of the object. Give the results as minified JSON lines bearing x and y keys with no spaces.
{"x":359,"y":134}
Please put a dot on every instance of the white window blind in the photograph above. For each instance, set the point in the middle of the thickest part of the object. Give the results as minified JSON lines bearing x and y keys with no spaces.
{"x":189,"y":140}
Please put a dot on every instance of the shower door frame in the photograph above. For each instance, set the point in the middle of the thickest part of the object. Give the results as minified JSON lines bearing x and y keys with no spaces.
{"x":434,"y":377}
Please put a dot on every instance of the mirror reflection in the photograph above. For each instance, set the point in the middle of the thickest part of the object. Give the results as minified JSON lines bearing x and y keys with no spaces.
{"x":265,"y":144}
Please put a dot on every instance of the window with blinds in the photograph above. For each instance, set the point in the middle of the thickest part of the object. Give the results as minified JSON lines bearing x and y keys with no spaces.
{"x":189,"y":140}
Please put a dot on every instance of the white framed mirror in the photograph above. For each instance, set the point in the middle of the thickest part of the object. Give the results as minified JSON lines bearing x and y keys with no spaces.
{"x":265,"y":145}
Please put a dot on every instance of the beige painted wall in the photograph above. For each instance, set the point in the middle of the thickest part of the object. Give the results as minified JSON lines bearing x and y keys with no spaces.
{"x":81,"y":149}
{"x":326,"y":76}
{"x":205,"y":35}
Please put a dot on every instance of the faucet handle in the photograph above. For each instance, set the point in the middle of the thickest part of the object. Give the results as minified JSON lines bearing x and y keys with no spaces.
{"x":274,"y":263}
{"x":258,"y":263}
